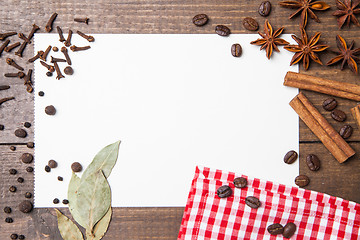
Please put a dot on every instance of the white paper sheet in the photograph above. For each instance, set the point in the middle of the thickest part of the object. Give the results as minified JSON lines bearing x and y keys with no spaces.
{"x":175,"y":101}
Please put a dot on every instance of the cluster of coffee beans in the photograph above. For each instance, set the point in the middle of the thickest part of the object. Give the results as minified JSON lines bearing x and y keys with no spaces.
{"x":287,"y":231}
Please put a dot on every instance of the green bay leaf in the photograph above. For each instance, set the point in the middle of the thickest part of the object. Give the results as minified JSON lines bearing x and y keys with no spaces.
{"x":68,"y":229}
{"x":93,"y":198}
{"x":104,"y":160}
{"x":100,"y":228}
{"x":74,"y":185}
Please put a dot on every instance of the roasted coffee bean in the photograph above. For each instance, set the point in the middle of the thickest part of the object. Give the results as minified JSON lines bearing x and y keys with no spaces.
{"x":12,"y":171}
{"x":240,"y":182}
{"x":41,"y":93}
{"x":275,"y":229}
{"x":20,"y":179}
{"x":338,"y":115}
{"x":76,"y":167}
{"x":65,"y":201}
{"x":289,"y":230}
{"x":60,"y":178}
{"x":329,"y":104}
{"x":200,"y":19}
{"x":2,"y":127}
{"x":9,"y":220}
{"x":302,"y":180}
{"x":27,"y":158}
{"x":224,"y":191}
{"x":47,"y":168}
{"x":290,"y":157}
{"x":14,"y":236}
{"x":30,"y":144}
{"x":29,"y":169}
{"x":25,"y":206}
{"x":265,"y":8}
{"x":21,"y":133}
{"x":28,"y":195}
{"x":21,"y":237}
{"x":253,"y":202}
{"x":12,"y":189}
{"x":7,"y":209}
{"x":69,"y":70}
{"x":222,"y":30}
{"x":27,"y":124}
{"x":52,"y":163}
{"x":56,"y":201}
{"x":346,"y":131}
{"x":50,"y":110}
{"x":49,"y":74}
{"x":250,"y":24}
{"x":236,"y":50}
{"x":12,"y":148}
{"x":313,"y":162}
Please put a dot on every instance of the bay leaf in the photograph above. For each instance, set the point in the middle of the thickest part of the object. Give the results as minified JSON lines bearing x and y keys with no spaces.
{"x":72,"y":197}
{"x":100,"y":228}
{"x":68,"y":229}
{"x":104,"y":160}
{"x":93,"y":198}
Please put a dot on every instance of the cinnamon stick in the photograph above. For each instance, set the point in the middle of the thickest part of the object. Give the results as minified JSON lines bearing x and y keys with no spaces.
{"x":321,"y":128}
{"x":316,"y":84}
{"x":355,"y":111}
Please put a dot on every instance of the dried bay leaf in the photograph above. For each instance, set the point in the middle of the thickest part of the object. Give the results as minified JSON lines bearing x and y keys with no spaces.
{"x":100,"y":228}
{"x":68,"y":229}
{"x":93,"y":198}
{"x":72,"y":197}
{"x":105,"y":160}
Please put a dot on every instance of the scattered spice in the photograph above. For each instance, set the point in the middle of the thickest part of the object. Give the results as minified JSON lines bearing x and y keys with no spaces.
{"x":55,"y":49}
{"x":3,"y":46}
{"x":13,"y":171}
{"x":49,"y":74}
{"x":4,"y":87}
{"x":346,"y":54}
{"x":69,"y":70}
{"x":2,"y":127}
{"x":66,"y":54}
{"x":346,"y":12}
{"x":37,"y":56}
{"x":52,"y":164}
{"x":45,"y":54}
{"x":25,"y":206}
{"x":27,"y":124}
{"x":47,"y":168}
{"x":12,"y":148}
{"x":306,"y":49}
{"x":28,"y":195}
{"x":22,"y":36}
{"x":29,"y":169}
{"x":6,"y":99}
{"x":270,"y":39}
{"x":12,"y":63}
{"x":49,"y":24}
{"x":14,"y":236}
{"x":57,"y":60}
{"x":7,"y":209}
{"x":20,"y":179}
{"x":9,"y":220}
{"x":30,"y":144}
{"x":21,"y":237}
{"x":60,"y":178}
{"x":61,"y":36}
{"x":21,"y":133}
{"x":75,"y":48}
{"x":68,"y":40}
{"x":87,"y":37}
{"x":48,"y":67}
{"x":11,"y":47}
{"x":41,"y":93}
{"x":58,"y":72}
{"x":82,"y":20}
{"x":12,"y":189}
{"x":26,"y":158}
{"x":19,"y":74}
{"x":76,"y":167}
{"x":50,"y":110}
{"x":65,"y":201}
{"x":3,"y":36}
{"x":56,"y":201}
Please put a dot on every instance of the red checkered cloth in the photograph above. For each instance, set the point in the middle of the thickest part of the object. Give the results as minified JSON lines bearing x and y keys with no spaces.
{"x":316,"y":215}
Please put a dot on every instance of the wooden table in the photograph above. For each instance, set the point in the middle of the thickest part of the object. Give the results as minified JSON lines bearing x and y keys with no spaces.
{"x":150,"y":16}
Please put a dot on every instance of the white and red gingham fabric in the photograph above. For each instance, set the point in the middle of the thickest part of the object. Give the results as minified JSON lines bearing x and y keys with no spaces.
{"x":316,"y":215}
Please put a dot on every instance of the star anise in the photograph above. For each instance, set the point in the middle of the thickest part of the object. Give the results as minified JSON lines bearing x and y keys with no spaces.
{"x":306,"y":49}
{"x":270,"y":39}
{"x":346,"y":54}
{"x":346,"y":12}
{"x":305,"y":7}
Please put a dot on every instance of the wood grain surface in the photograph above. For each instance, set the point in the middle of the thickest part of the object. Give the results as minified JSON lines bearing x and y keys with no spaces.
{"x":157,"y":16}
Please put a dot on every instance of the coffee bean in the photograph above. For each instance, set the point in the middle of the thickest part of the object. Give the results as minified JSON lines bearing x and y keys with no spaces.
{"x":41,"y":93}
{"x":25,"y":206}
{"x":236,"y":50}
{"x":49,"y":74}
{"x":200,"y":19}
{"x":338,"y":115}
{"x":14,"y":236}
{"x":20,"y":179}
{"x":29,"y":169}
{"x":28,"y":195}
{"x":52,"y":163}
{"x":290,"y":157}
{"x":240,"y":182}
{"x":289,"y":230}
{"x":12,"y":148}
{"x":65,"y":201}
{"x":69,"y":70}
{"x":250,"y":24}
{"x":2,"y":127}
{"x":253,"y":202}
{"x":7,"y":209}
{"x":26,"y":158}
{"x":27,"y":124}
{"x":302,"y":180}
{"x":30,"y":144}
{"x":222,"y":30}
{"x":12,"y":171}
{"x":329,"y":104}
{"x":60,"y":178}
{"x":21,"y":237}
{"x":50,"y":110}
{"x":265,"y":8}
{"x":346,"y":131}
{"x":21,"y":133}
{"x":313,"y":162}
{"x":224,"y":191}
{"x":56,"y":201}
{"x":12,"y":189}
{"x":76,"y":167}
{"x":9,"y":220}
{"x":275,"y":229}
{"x":47,"y":168}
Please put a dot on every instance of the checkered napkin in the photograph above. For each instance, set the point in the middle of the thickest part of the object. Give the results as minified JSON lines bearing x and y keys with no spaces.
{"x":316,"y":215}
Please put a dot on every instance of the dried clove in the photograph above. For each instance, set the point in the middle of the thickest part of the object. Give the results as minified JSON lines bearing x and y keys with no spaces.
{"x":45,"y":54}
{"x":37,"y":56}
{"x":6,"y":99}
{"x":22,"y":36}
{"x":61,"y":36}
{"x":18,"y":74}
{"x":20,"y":51}
{"x":58,"y":72}
{"x":49,"y":24}
{"x":33,"y":30}
{"x":49,"y":67}
{"x":3,"y":36}
{"x":82,"y":20}
{"x":11,"y":62}
{"x":28,"y":82}
{"x":57,"y":60}
{"x":12,"y":46}
{"x":4,"y":87}
{"x":3,"y":46}
{"x":66,"y":54}
{"x":87,"y":37}
{"x":68,"y":40}
{"x":75,"y":48}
